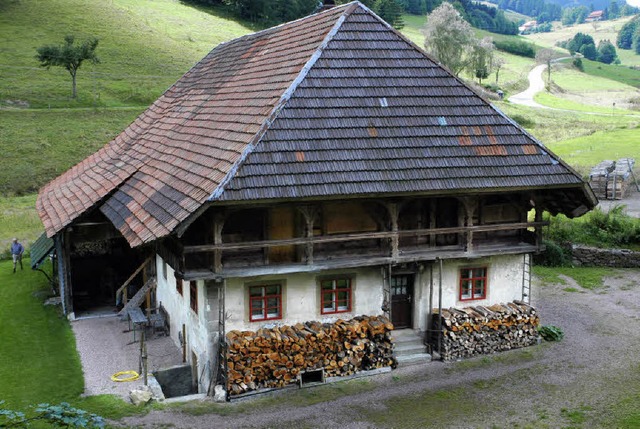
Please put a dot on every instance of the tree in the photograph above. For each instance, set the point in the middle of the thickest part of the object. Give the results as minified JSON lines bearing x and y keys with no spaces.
{"x":589,"y":51}
{"x":390,"y":11}
{"x":613,"y":11}
{"x":481,"y":58}
{"x":448,"y":37}
{"x":625,"y":36}
{"x":546,"y":56}
{"x":606,"y":52}
{"x":498,"y":62}
{"x":68,"y":55}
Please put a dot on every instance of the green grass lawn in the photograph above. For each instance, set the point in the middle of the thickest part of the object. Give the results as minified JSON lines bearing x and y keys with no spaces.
{"x":619,"y":73}
{"x":18,"y":218}
{"x":144,"y":47}
{"x":38,"y":145}
{"x":38,"y":359}
{"x":588,"y":151}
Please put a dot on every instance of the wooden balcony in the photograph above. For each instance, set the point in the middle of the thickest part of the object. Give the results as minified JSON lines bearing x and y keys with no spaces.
{"x":316,"y":253}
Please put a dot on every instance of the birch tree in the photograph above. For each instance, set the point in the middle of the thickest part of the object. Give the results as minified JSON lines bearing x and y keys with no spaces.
{"x":448,"y":37}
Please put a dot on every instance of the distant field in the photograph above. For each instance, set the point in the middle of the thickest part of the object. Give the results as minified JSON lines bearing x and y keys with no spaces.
{"x":144,"y":47}
{"x":585,"y":152}
{"x":605,"y":30}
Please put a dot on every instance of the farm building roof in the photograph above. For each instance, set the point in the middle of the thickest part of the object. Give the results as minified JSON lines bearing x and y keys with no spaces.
{"x":335,"y":104}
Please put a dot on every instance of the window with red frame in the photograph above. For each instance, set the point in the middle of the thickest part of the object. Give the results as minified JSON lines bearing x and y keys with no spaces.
{"x":336,"y":295}
{"x":179,"y":284}
{"x":265,"y":302}
{"x":473,"y":283}
{"x":193,"y":296}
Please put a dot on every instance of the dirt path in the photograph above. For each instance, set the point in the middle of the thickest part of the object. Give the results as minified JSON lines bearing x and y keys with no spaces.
{"x":536,"y":84}
{"x":550,"y":385}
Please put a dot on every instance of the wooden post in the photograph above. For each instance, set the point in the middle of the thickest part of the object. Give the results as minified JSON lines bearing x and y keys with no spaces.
{"x":218,"y":225}
{"x":184,"y":343}
{"x":538,"y":218}
{"x":394,"y":211}
{"x":432,"y":221}
{"x":310,"y":213}
{"x":470,"y":204}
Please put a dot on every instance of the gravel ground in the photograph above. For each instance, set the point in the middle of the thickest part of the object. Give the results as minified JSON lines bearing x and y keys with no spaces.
{"x":631,"y":203}
{"x":593,"y":368}
{"x":105,"y":349}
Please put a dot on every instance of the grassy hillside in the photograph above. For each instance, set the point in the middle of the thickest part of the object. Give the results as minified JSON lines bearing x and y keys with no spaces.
{"x":144,"y":47}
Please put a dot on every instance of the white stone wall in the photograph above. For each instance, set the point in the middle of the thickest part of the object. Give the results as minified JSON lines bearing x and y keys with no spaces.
{"x":301,"y":297}
{"x":179,"y":309}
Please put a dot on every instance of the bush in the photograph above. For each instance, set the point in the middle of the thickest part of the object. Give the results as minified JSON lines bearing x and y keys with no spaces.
{"x":551,"y":333}
{"x":554,"y":255}
{"x":516,"y":47}
{"x":577,"y":63}
{"x":604,"y":229}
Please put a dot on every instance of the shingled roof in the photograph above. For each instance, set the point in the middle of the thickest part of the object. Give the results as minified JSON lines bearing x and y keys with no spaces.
{"x":335,"y":104}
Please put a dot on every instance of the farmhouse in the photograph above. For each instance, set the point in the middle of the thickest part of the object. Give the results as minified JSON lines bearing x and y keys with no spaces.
{"x":320,"y":170}
{"x":596,"y":15}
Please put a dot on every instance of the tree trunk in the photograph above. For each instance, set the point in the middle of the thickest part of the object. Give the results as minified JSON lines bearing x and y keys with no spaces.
{"x":73,"y":85}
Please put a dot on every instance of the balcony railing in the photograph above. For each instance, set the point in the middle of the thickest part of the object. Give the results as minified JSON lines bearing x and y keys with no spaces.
{"x":389,"y":247}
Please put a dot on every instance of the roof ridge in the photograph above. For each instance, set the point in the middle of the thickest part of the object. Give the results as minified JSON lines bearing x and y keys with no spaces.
{"x":286,"y":95}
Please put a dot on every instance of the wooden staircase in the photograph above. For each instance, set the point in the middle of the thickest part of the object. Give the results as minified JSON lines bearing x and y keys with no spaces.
{"x":139,"y":297}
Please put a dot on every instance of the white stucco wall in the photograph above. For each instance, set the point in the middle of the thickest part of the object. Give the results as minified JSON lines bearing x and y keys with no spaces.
{"x":301,"y":297}
{"x":504,"y":284}
{"x":179,"y":309}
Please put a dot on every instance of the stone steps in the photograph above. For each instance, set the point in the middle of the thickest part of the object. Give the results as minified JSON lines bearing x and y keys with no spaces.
{"x":408,"y":347}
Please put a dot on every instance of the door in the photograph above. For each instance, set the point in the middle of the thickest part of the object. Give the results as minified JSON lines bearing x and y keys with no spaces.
{"x":402,"y":300}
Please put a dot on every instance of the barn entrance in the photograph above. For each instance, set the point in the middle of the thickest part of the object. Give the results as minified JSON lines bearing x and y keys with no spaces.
{"x":402,"y":300}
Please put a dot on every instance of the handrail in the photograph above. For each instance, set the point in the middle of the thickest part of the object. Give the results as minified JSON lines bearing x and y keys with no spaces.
{"x":130,"y":279}
{"x":362,"y":236}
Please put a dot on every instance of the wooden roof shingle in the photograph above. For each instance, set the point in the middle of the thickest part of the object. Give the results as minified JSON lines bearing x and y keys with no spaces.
{"x":335,"y":104}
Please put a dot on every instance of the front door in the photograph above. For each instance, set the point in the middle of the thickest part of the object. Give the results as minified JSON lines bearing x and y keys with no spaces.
{"x":402,"y":300}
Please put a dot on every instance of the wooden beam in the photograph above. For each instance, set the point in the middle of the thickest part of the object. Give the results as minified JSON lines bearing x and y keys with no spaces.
{"x":218,"y":225}
{"x":310,"y":214}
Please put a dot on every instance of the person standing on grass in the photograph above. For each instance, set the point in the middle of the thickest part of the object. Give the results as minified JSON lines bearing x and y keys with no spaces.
{"x":17,"y":250}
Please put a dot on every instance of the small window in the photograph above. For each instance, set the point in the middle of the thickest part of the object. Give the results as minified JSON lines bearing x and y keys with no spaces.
{"x":178,"y":284}
{"x":473,"y":283}
{"x":193,"y":296}
{"x":335,"y":295}
{"x":265,"y":302}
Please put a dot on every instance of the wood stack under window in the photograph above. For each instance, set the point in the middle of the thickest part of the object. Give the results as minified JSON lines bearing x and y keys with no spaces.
{"x":275,"y":357}
{"x":479,"y":330}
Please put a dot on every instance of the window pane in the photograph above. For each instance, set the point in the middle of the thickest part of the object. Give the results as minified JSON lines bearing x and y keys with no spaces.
{"x":328,"y":301}
{"x":479,"y":272}
{"x":256,"y":291}
{"x":478,"y":290}
{"x":257,"y":312}
{"x":256,"y":303}
{"x":327,"y":284}
{"x":342,"y":283}
{"x":465,"y":289}
{"x":272,"y":290}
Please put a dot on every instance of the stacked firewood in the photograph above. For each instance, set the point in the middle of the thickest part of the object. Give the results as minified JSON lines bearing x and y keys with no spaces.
{"x":275,"y":357}
{"x":478,"y":330}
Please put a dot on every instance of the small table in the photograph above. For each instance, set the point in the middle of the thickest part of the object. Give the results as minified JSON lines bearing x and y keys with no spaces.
{"x":138,"y":319}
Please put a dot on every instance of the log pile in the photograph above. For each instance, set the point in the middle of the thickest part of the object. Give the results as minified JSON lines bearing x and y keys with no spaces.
{"x":479,"y":330}
{"x":612,"y":179}
{"x":275,"y":357}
